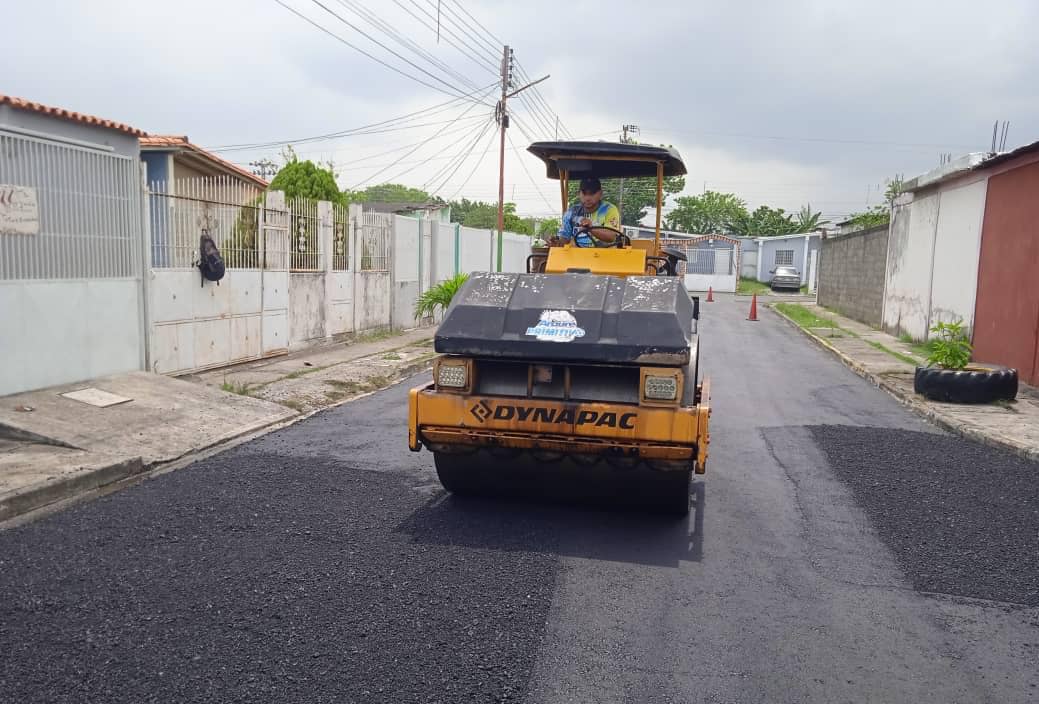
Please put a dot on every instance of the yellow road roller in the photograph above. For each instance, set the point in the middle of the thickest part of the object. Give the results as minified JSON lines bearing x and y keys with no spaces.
{"x":580,"y":377}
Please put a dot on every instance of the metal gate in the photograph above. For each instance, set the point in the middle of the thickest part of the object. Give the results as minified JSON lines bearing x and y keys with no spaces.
{"x":71,"y":262}
{"x":196,"y":325}
{"x":712,"y":261}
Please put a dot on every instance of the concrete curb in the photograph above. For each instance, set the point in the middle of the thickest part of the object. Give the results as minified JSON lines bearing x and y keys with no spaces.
{"x":82,"y":483}
{"x":918,"y":406}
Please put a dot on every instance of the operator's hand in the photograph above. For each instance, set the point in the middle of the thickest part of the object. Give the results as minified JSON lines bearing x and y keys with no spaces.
{"x":586,"y":223}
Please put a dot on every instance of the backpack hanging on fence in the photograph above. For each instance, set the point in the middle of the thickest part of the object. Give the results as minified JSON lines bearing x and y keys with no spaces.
{"x":210,"y":263}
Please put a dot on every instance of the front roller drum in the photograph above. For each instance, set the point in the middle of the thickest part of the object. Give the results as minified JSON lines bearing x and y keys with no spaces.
{"x":590,"y":479}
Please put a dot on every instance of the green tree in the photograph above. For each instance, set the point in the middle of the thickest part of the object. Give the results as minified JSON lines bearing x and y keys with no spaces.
{"x":397,"y":193}
{"x":764,"y":222}
{"x":485,"y":216}
{"x":305,"y":179}
{"x":808,"y":221}
{"x":710,"y":213}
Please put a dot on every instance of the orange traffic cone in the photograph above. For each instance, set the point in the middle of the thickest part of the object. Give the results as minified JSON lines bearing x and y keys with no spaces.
{"x":753,"y":308}
{"x":710,"y":294}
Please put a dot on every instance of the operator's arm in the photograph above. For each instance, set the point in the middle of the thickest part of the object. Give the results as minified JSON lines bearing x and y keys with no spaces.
{"x":611,"y":219}
{"x":566,"y":232}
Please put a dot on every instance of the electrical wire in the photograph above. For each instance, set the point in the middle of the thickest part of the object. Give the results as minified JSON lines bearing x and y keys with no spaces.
{"x":389,"y":30}
{"x":461,"y":161}
{"x":527,"y":171}
{"x":434,"y":156}
{"x":476,"y":42}
{"x":420,"y":145}
{"x":453,"y":92}
{"x":363,"y":129}
{"x":477,"y":166}
{"x":475,"y":58}
{"x":378,"y":43}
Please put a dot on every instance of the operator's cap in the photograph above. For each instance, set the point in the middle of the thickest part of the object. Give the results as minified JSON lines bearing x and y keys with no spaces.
{"x":590,"y":185}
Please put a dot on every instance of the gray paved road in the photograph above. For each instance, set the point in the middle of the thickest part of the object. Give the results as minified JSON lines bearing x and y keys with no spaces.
{"x":323,"y":564}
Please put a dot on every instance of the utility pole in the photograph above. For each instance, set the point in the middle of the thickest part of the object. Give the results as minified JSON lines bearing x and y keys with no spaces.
{"x":502,"y":117}
{"x":625,"y":139}
{"x":264,"y":168}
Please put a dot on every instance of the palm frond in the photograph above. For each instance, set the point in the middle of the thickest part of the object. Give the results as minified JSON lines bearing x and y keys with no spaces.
{"x":439,"y":297}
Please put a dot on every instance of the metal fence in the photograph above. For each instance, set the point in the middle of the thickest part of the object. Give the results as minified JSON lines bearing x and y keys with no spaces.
{"x":226,"y":208}
{"x":340,"y":238}
{"x":89,"y":207}
{"x":305,"y":248}
{"x":707,"y":255}
{"x":375,"y":241}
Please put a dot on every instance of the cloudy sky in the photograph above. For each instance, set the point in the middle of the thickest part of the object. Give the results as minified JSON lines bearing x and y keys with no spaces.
{"x":782,"y":102}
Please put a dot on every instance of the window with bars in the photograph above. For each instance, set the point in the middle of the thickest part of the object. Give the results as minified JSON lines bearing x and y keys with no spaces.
{"x":784,"y":257}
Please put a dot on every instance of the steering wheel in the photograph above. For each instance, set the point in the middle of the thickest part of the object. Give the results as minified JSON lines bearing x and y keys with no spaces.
{"x":621,"y":240}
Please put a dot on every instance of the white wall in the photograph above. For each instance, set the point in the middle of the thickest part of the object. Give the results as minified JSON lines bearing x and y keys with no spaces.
{"x":515,"y":250}
{"x":957,"y":249}
{"x":306,"y":308}
{"x":195,"y":326}
{"x":474,"y":248}
{"x":61,"y":331}
{"x":932,"y":259}
{"x":443,"y":250}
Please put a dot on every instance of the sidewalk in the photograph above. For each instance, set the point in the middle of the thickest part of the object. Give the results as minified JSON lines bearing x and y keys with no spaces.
{"x":889,"y":363}
{"x":54,"y":448}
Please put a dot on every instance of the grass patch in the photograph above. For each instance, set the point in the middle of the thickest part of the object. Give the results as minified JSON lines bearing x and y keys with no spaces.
{"x":921,"y":349}
{"x":345,"y":387}
{"x":392,"y":356}
{"x":749,"y":286}
{"x":236,"y":387}
{"x":374,"y":336}
{"x":302,"y":372}
{"x":804,"y":317}
{"x":897,"y":355}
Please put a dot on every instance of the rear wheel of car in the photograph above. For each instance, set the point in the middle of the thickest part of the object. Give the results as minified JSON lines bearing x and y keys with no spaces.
{"x":978,"y":383}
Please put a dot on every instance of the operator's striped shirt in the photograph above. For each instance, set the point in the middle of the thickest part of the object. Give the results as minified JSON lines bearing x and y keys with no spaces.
{"x":606,"y":215}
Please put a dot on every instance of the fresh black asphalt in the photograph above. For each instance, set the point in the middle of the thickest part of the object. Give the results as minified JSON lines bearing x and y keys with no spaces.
{"x":322,"y":563}
{"x":960,"y":518}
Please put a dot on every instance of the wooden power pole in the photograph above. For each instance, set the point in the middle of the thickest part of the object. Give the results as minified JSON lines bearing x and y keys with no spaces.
{"x":502,"y":116}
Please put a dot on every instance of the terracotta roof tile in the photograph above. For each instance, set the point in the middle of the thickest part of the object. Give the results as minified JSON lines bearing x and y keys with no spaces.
{"x":159,"y":141}
{"x":23,"y":104}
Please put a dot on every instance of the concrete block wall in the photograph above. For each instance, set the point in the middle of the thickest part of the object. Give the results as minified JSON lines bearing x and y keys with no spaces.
{"x":851,"y":274}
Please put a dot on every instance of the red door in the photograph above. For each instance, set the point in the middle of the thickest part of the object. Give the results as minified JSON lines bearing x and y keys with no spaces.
{"x":1006,"y":318}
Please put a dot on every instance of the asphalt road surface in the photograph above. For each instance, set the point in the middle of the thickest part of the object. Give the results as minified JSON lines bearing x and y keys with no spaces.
{"x":839,"y":550}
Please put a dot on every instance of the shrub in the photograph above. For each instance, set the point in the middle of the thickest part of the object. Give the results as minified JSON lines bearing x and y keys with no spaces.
{"x":439,"y":297}
{"x":950,"y":348}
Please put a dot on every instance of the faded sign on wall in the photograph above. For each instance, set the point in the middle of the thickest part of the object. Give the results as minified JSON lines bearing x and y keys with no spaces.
{"x":19,"y":210}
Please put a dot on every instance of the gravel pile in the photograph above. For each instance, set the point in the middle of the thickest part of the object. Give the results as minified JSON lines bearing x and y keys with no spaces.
{"x":269,"y":578}
{"x":961,"y":518}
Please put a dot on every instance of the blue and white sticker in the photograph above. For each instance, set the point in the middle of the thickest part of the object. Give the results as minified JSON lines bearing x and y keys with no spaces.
{"x":556,"y":326}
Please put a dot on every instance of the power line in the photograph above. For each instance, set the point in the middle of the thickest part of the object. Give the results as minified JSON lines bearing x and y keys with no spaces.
{"x":489,"y":32}
{"x":478,"y":42}
{"x":377,"y":42}
{"x":388,"y":29}
{"x":363,"y":129}
{"x":462,"y":160}
{"x":470,"y":176}
{"x":475,"y":58}
{"x":453,"y":92}
{"x":436,"y":154}
{"x":527,"y":172}
{"x":409,"y":153}
{"x":822,"y":140}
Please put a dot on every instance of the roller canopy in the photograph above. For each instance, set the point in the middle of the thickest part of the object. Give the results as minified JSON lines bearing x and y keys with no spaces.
{"x":606,"y":159}
{"x":570,"y":317}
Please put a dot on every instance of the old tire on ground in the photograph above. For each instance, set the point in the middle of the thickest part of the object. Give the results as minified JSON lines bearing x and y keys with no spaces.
{"x":979,"y":383}
{"x":569,"y":479}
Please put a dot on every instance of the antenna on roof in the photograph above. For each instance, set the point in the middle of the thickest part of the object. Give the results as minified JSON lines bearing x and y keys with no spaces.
{"x":1003,"y":141}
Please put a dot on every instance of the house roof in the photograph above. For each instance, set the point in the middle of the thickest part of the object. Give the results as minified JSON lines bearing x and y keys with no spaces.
{"x":1007,"y":156}
{"x":23,"y":104}
{"x":182,"y":145}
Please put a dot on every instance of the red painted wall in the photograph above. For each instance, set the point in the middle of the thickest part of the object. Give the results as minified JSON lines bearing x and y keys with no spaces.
{"x":1006,"y":319}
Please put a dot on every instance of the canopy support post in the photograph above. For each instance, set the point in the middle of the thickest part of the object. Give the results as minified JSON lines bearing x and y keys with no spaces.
{"x":660,"y":203}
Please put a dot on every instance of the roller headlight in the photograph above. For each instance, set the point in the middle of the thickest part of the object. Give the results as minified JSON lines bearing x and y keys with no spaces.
{"x":453,"y":376}
{"x":661,"y":388}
